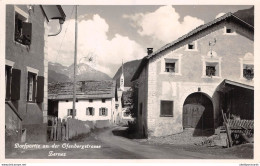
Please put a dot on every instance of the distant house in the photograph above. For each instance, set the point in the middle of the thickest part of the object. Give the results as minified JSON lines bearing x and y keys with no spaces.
{"x":95,"y":100}
{"x":186,"y":83}
{"x":26,"y":71}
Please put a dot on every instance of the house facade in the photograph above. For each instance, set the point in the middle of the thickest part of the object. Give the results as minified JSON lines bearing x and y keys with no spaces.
{"x":178,"y":85}
{"x":96,"y":100}
{"x":26,"y":73}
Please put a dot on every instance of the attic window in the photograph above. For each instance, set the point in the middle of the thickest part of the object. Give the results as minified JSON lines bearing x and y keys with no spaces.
{"x":90,"y":100}
{"x":191,"y":46}
{"x":228,"y":30}
{"x":103,"y":100}
{"x":23,"y":29}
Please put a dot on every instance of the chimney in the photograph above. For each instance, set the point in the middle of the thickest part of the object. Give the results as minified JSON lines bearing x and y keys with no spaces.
{"x":149,"y":51}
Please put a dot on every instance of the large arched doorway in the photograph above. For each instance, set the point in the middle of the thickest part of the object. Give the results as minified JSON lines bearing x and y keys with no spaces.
{"x":198,"y":113}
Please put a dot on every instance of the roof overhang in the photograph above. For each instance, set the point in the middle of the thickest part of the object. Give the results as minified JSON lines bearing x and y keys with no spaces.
{"x":227,"y":85}
{"x":53,"y":12}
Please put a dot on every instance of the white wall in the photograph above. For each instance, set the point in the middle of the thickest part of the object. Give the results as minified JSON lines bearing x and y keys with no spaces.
{"x":81,"y":107}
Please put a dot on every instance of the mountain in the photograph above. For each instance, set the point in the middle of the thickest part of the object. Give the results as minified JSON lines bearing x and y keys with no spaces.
{"x":57,"y":77}
{"x":129,"y":70}
{"x":85,"y":72}
{"x":60,"y":73}
{"x":246,"y":15}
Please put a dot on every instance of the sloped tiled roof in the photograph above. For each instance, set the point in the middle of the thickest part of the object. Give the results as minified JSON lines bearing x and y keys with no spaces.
{"x":191,"y":33}
{"x":84,"y":90}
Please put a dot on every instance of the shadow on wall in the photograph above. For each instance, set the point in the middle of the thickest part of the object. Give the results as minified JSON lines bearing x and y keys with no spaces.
{"x":198,"y":114}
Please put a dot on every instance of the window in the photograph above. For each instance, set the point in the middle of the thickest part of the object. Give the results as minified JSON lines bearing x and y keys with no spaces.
{"x":171,"y":64}
{"x":90,"y":111}
{"x":170,"y":67}
{"x":8,"y":70}
{"x":229,"y":31}
{"x":191,"y":46}
{"x":23,"y":29}
{"x":210,"y":71}
{"x":248,"y":72}
{"x":70,"y":112}
{"x":103,"y":100}
{"x":31,"y":89}
{"x":211,"y":65}
{"x":141,"y":108}
{"x":103,"y":111}
{"x":90,"y":100}
{"x":166,"y":108}
{"x":247,"y":67}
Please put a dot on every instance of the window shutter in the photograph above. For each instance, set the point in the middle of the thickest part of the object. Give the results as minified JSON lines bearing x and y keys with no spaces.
{"x":100,"y":111}
{"x":87,"y":111}
{"x":68,"y":114}
{"x":34,"y":88}
{"x":15,"y":84}
{"x":8,"y":83}
{"x":40,"y":89}
{"x":27,"y":33}
{"x":93,"y":111}
{"x":106,"y":111}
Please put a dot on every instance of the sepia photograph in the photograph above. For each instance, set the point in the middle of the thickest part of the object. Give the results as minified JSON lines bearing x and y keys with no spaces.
{"x":129,"y":81}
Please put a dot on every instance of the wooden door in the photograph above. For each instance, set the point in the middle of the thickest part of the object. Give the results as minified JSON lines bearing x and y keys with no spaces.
{"x":192,"y":115}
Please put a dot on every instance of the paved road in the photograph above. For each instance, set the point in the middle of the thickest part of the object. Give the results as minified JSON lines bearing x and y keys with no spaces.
{"x":144,"y":151}
{"x":114,"y":147}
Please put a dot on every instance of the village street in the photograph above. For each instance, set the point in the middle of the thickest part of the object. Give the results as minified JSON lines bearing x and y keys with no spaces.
{"x":117,"y":147}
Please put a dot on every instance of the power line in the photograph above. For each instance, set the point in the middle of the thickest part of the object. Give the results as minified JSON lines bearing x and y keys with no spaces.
{"x":65,"y":33}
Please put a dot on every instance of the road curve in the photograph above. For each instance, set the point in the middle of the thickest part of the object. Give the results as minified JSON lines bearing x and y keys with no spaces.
{"x":144,"y":151}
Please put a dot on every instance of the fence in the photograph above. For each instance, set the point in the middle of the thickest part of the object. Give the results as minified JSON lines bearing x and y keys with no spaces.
{"x":65,"y":130}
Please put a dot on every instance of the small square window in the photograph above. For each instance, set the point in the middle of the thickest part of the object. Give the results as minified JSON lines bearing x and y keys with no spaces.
{"x":103,"y":100}
{"x":166,"y":108}
{"x":210,"y":71}
{"x":90,"y":111}
{"x":170,"y":67}
{"x":70,"y":112}
{"x":90,"y":100}
{"x":228,"y":30}
{"x":191,"y":46}
{"x":103,"y":111}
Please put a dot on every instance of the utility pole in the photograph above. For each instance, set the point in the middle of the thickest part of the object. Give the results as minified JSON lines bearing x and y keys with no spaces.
{"x":75,"y":62}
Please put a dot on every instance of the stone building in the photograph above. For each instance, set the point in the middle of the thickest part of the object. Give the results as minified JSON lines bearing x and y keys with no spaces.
{"x":186,"y":83}
{"x":26,"y":71}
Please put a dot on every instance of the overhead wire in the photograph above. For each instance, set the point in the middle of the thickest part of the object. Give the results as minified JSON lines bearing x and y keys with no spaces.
{"x":64,"y":34}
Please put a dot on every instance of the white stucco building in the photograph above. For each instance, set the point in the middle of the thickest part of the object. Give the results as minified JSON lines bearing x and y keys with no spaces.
{"x":95,"y":100}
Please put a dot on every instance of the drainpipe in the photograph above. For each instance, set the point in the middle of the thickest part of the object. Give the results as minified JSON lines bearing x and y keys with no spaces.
{"x":61,"y":22}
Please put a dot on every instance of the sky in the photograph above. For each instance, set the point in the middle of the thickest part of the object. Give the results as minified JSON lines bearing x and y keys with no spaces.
{"x":108,"y":35}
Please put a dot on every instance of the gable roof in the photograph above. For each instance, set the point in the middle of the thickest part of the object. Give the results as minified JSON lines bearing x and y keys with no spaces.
{"x":84,"y":90}
{"x":228,"y":16}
